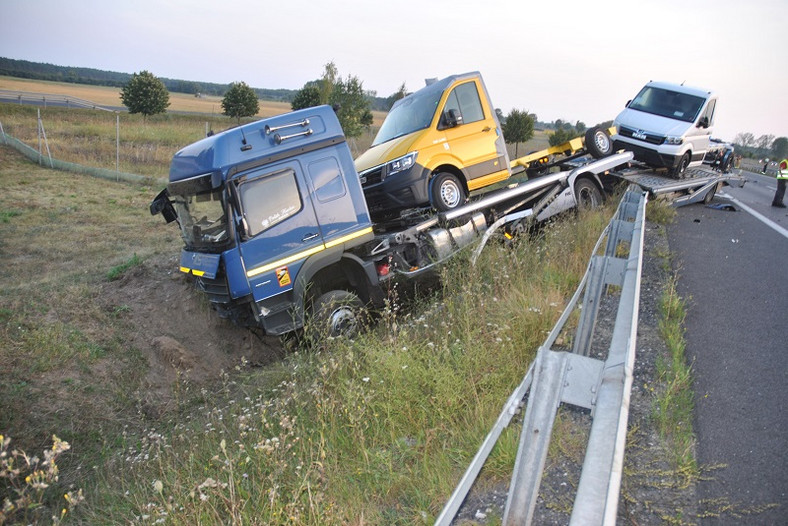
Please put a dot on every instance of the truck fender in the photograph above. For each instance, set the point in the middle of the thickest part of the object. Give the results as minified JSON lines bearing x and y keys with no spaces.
{"x":361,"y":277}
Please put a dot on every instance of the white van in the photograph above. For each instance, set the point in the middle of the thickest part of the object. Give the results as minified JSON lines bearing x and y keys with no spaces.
{"x":667,"y":125}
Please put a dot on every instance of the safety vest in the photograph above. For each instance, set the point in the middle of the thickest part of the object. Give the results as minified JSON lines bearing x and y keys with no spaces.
{"x":782,"y":169}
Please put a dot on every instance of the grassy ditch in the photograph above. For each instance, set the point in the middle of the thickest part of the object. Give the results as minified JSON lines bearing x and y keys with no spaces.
{"x":374,"y":430}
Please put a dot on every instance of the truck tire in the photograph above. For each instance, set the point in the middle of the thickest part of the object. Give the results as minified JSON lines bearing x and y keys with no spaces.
{"x":680,"y":171}
{"x":336,"y":313}
{"x":446,"y":192}
{"x":587,"y":194}
{"x":598,"y":142}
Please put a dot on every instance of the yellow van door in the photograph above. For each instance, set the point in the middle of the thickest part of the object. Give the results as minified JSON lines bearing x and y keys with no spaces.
{"x":475,"y":141}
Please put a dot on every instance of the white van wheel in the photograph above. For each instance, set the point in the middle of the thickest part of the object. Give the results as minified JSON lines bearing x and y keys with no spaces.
{"x":680,"y":172}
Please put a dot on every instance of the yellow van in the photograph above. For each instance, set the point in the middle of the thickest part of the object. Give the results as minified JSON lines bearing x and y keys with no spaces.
{"x":434,"y":147}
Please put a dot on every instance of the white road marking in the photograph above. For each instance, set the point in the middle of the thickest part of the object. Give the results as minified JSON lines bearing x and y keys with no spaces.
{"x":763,"y":219}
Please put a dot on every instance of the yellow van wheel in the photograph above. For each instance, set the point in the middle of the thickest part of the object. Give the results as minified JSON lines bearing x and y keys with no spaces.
{"x":446,"y":192}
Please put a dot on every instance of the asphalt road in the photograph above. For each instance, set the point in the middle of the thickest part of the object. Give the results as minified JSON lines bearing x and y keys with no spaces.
{"x":733,"y":269}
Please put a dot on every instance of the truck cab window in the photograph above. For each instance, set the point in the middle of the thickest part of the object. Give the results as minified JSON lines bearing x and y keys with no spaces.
{"x":326,"y":179}
{"x":465,"y":99}
{"x":202,"y":219}
{"x":268,"y":200}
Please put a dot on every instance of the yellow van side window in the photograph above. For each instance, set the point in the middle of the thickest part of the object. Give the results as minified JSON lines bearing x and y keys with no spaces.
{"x":465,"y":99}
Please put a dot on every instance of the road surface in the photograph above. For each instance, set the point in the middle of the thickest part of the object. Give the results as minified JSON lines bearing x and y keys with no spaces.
{"x":733,"y":269}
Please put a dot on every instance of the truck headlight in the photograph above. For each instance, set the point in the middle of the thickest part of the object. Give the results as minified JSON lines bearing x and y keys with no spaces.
{"x":673,"y":140}
{"x":403,"y":163}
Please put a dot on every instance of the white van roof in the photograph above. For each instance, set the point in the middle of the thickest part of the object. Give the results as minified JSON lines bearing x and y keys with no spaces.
{"x":700,"y":92}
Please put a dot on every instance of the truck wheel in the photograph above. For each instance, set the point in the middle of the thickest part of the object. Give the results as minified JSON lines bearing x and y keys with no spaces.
{"x":587,"y":194}
{"x":598,"y":142}
{"x":446,"y":192}
{"x":680,"y":171}
{"x":337,"y":313}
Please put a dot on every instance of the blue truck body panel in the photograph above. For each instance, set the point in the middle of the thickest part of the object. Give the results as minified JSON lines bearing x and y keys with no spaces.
{"x":291,"y":193}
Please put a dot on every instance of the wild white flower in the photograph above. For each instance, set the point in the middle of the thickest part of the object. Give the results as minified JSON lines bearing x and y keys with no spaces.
{"x":365,"y":379}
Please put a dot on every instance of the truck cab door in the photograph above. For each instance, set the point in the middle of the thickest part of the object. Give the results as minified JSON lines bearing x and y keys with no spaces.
{"x":279,"y":225}
{"x":339,"y":212}
{"x":473,"y":134}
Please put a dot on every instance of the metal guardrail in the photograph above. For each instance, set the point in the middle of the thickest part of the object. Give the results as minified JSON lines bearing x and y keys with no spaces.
{"x":27,"y":97}
{"x":603,"y":386}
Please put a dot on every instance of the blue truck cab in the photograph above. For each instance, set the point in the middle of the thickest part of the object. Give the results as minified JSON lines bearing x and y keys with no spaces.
{"x":268,"y":213}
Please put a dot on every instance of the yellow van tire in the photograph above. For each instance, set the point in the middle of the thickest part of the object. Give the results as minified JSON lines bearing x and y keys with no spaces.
{"x":446,"y":192}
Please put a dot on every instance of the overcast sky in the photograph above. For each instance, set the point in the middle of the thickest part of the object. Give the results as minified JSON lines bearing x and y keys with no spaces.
{"x":571,"y":60}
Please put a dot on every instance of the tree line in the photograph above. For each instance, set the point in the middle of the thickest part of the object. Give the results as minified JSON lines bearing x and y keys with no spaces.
{"x":148,"y":94}
{"x":97,"y":77}
{"x":764,"y":146}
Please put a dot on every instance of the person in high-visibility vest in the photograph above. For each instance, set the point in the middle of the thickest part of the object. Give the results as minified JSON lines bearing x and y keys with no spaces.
{"x":782,"y":180}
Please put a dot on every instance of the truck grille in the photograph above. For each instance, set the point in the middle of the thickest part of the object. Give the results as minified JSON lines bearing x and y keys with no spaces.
{"x":651,"y":138}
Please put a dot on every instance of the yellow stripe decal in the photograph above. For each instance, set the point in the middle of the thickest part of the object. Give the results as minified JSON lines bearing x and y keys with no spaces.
{"x":307,"y":253}
{"x":185,"y":269}
{"x":348,"y":237}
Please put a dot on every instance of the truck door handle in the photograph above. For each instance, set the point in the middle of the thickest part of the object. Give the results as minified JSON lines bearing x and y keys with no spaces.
{"x":309,"y":237}
{"x":486,"y":129}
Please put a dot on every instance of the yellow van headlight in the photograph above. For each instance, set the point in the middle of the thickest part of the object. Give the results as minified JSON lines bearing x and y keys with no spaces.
{"x":403,"y":163}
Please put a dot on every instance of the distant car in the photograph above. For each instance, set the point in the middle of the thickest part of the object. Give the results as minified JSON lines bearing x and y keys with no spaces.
{"x":667,"y":125}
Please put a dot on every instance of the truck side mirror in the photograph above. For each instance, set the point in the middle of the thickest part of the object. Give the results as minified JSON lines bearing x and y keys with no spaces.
{"x":161,"y":204}
{"x":452,"y":118}
{"x":704,"y":122}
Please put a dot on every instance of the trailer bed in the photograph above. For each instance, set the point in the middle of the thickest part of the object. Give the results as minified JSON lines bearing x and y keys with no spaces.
{"x":698,"y":184}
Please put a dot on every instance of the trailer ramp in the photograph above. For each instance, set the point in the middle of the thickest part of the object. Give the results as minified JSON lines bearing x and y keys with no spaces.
{"x":697,"y":185}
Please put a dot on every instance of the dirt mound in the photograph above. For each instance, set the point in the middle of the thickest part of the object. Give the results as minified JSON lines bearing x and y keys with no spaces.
{"x":174,"y":327}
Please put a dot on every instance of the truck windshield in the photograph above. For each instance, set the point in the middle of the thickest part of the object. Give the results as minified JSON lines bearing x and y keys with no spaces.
{"x":666,"y":103}
{"x":202,"y":219}
{"x":414,"y":112}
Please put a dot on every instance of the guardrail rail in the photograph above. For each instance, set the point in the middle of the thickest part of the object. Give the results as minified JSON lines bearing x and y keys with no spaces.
{"x":601,"y":386}
{"x":27,"y":97}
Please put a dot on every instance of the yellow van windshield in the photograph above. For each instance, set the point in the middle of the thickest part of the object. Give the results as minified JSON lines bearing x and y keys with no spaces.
{"x":413,"y":113}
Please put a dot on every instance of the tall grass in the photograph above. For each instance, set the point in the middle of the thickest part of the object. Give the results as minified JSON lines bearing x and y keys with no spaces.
{"x":377,"y":430}
{"x":674,"y":400}
{"x":143,"y":146}
{"x":88,"y":137}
